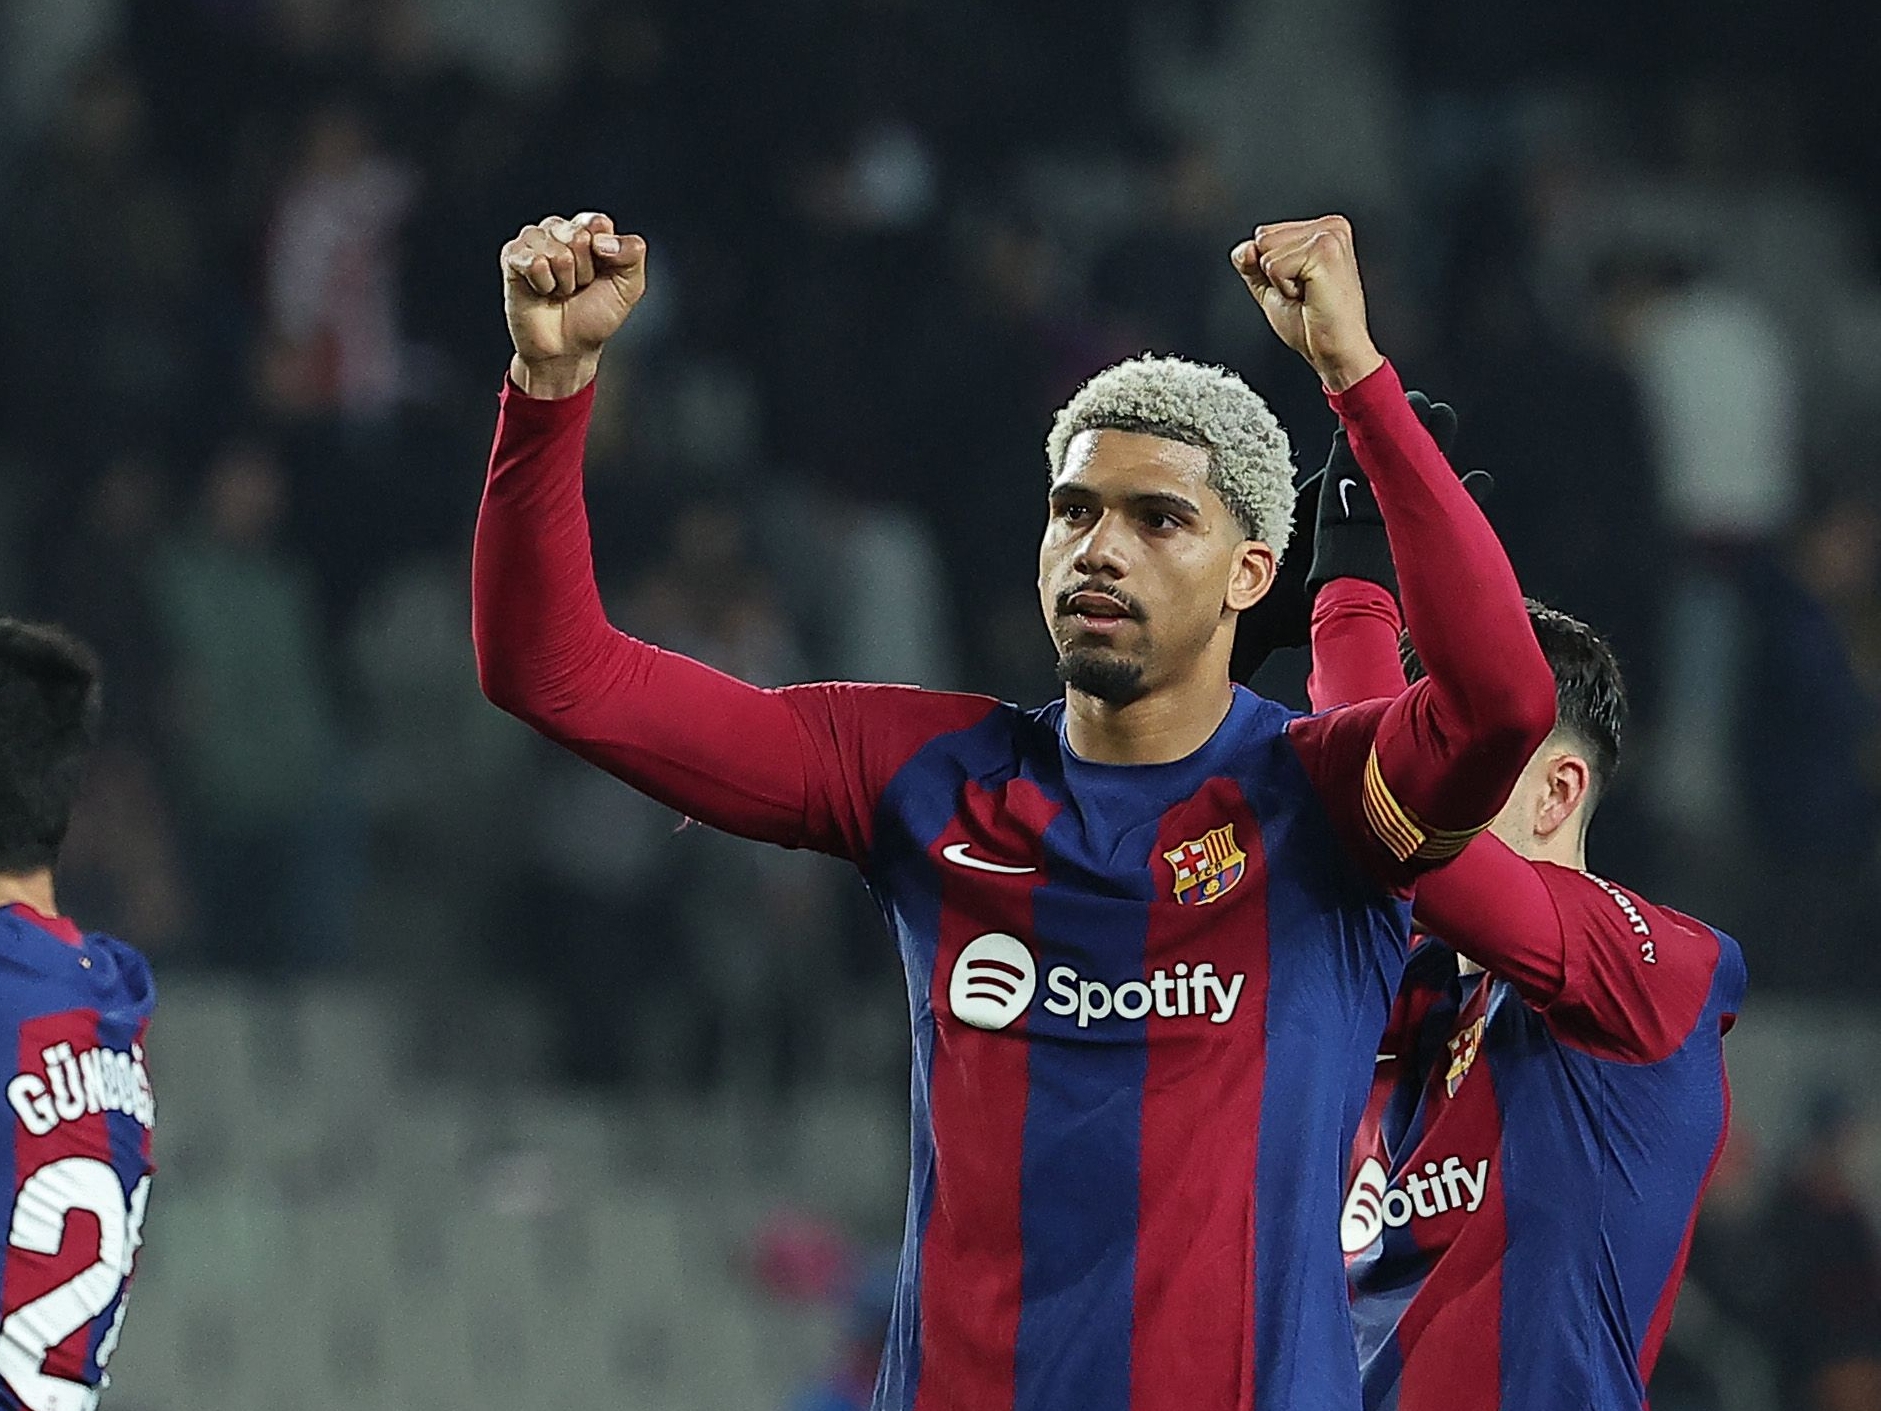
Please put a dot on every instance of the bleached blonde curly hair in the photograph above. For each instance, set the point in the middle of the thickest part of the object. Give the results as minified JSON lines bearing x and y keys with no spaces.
{"x":1249,"y":457}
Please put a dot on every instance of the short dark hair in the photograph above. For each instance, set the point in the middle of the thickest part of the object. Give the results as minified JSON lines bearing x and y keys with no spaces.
{"x":1589,"y":692}
{"x":50,"y":702}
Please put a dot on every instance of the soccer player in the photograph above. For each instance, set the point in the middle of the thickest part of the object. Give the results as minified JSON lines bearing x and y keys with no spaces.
{"x":1530,"y":1163}
{"x":77,"y":1168}
{"x":1150,"y":929}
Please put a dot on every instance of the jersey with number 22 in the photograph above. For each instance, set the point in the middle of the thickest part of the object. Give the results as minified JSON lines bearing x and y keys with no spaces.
{"x":76,"y":1169}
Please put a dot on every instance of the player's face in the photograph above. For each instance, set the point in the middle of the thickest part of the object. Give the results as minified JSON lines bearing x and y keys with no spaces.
{"x":1141,"y":564}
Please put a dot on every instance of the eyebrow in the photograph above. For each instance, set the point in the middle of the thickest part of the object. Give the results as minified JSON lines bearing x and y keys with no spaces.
{"x":1148,"y":499}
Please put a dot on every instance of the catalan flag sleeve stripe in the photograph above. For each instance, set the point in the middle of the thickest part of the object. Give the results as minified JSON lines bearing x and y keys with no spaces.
{"x":1406,"y":837}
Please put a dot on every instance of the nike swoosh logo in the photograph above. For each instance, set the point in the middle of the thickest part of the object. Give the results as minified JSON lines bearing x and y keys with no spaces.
{"x":1345,"y":490}
{"x":957,"y":853}
{"x":1385,"y":1057}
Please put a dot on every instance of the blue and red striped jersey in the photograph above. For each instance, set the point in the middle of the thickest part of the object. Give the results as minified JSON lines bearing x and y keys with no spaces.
{"x":78,"y":1166}
{"x":1526,"y":1176}
{"x":1143,"y":1000}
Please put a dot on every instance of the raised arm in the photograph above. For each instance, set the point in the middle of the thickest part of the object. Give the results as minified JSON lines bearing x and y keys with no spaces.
{"x":1443,"y":755}
{"x":800,"y":766}
{"x":1355,"y":645}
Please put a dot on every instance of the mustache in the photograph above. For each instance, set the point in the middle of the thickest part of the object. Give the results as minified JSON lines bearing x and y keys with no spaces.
{"x":1131,"y":607}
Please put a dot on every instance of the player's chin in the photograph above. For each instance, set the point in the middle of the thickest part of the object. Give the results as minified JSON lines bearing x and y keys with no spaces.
{"x":1102,"y":672}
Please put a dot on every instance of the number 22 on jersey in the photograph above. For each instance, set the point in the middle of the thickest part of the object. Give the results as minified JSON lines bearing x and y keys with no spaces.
{"x":42,"y":1224}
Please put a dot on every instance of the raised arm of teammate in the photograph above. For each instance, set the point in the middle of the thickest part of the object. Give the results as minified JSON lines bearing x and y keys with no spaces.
{"x":1433,"y":765}
{"x":1354,"y":638}
{"x":1612,"y":973}
{"x":800,"y":766}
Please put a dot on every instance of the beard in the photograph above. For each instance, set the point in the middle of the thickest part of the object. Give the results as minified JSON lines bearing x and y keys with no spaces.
{"x":1103,"y":675}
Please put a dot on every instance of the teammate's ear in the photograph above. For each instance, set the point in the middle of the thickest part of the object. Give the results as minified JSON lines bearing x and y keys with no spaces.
{"x":1567,"y":778}
{"x":1253,"y":575}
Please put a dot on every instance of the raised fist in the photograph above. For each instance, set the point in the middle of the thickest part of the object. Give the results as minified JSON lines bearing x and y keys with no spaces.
{"x":568,"y":285}
{"x":1304,"y":274}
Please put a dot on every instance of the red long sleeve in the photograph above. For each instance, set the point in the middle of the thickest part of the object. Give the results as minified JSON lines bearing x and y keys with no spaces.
{"x":801,"y":766}
{"x":1449,"y":749}
{"x":1355,"y":644}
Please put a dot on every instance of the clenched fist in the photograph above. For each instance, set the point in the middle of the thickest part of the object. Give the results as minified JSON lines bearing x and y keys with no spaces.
{"x":568,"y":285}
{"x":1305,"y":276}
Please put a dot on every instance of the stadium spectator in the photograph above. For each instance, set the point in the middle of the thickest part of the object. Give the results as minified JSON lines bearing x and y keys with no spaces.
{"x":1719,"y":385}
{"x":262,"y":762}
{"x":100,"y":584}
{"x":122,"y":858}
{"x":334,"y":362}
{"x":440,"y":771}
{"x":1812,"y":724}
{"x":130,"y":331}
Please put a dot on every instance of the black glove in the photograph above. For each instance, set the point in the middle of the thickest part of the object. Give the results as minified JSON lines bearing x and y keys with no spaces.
{"x":1349,"y":530}
{"x":1349,"y":541}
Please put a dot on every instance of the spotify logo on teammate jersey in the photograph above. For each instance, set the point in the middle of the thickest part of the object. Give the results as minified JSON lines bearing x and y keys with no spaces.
{"x":993,"y":981}
{"x":1372,"y":1204}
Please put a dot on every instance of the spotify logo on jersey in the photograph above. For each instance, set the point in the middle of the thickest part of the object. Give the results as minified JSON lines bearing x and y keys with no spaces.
{"x":1363,"y":1219}
{"x":993,"y":981}
{"x":1374,"y":1204}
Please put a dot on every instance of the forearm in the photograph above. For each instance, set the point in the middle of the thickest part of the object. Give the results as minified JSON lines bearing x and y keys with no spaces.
{"x":535,"y":613}
{"x":714,"y":748}
{"x":1355,"y":644}
{"x":1451,"y":747}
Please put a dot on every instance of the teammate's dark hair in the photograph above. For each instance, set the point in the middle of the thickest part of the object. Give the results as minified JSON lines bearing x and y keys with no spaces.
{"x":1590,"y":694}
{"x":50,"y":701}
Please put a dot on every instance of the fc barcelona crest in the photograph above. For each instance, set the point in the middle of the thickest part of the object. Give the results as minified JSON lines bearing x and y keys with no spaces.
{"x":1463,"y":1047}
{"x":1208,"y":868}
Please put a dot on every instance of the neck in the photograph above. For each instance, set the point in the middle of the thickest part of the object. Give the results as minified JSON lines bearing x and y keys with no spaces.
{"x":1567,"y":848}
{"x":32,"y":889}
{"x":1164,"y":726}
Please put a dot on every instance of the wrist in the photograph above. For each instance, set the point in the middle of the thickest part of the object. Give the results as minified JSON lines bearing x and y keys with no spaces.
{"x":553,"y":379}
{"x":1351,"y":551}
{"x":1344,"y":370}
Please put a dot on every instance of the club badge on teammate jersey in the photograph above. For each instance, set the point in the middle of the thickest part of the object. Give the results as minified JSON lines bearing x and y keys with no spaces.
{"x":1463,"y":1048}
{"x":1208,"y":867}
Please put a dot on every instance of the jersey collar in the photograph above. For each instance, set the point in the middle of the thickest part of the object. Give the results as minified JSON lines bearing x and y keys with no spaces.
{"x":60,"y":927}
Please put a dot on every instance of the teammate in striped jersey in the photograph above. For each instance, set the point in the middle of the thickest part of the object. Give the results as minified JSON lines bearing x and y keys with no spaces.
{"x":1530,"y":1162}
{"x":76,"y":1172}
{"x":1151,"y":929}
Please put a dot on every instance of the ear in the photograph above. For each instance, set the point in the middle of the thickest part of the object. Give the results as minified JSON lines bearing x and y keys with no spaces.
{"x":1567,"y":779}
{"x":1252,"y":576}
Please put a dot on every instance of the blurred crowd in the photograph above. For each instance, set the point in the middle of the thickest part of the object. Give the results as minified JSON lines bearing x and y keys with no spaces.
{"x":1782,"y":1299}
{"x":255,"y":341}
